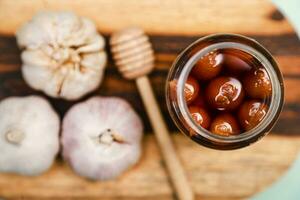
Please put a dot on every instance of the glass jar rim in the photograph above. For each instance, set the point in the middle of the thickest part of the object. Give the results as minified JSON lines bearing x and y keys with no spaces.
{"x":262,"y":55}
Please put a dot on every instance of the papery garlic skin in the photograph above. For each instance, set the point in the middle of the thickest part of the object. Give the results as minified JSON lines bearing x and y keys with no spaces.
{"x":101,"y":137}
{"x":63,"y":54}
{"x":29,"y":135}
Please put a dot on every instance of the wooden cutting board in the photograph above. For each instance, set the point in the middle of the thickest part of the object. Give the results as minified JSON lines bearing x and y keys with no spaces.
{"x":172,"y":26}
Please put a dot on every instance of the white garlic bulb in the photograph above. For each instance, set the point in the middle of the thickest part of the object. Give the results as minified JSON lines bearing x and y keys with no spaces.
{"x":101,"y":137}
{"x":63,"y":54}
{"x":29,"y":135}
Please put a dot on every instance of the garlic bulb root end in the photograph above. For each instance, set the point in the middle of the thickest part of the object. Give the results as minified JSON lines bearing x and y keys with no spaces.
{"x":108,"y":136}
{"x":14,"y":136}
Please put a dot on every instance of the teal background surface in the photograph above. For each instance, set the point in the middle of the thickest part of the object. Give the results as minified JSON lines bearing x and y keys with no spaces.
{"x":291,"y":10}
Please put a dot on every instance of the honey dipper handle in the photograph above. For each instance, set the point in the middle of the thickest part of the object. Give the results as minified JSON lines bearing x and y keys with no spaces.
{"x":174,"y":167}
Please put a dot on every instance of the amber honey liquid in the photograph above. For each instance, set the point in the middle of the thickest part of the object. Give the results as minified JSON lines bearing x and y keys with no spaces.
{"x":228,"y":92}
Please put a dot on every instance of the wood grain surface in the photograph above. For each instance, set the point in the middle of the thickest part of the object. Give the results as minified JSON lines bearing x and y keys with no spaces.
{"x":172,"y":26}
{"x":156,"y":16}
{"x":214,"y":175}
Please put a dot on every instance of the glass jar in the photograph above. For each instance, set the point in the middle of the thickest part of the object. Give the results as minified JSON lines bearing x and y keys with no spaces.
{"x":178,"y":75}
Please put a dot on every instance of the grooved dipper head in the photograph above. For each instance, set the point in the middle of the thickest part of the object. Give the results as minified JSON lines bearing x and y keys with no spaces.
{"x":132,"y":52}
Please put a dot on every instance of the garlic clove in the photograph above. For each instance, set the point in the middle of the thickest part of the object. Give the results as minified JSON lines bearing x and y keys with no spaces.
{"x":29,"y":35}
{"x":79,"y":81}
{"x":29,"y":132}
{"x":96,"y":44}
{"x":101,"y":137}
{"x":93,"y":59}
{"x":41,"y":58}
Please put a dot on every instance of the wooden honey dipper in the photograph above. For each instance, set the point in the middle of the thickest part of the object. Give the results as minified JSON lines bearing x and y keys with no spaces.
{"x":133,"y":54}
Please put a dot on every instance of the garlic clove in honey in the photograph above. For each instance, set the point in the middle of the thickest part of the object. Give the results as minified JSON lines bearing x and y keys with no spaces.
{"x":200,"y":115}
{"x":225,"y":124}
{"x":191,"y":89}
{"x":63,"y":54}
{"x":29,"y":135}
{"x":224,"y":93}
{"x":258,"y":84}
{"x":101,"y":137}
{"x":251,"y":113}
{"x":209,"y":66}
